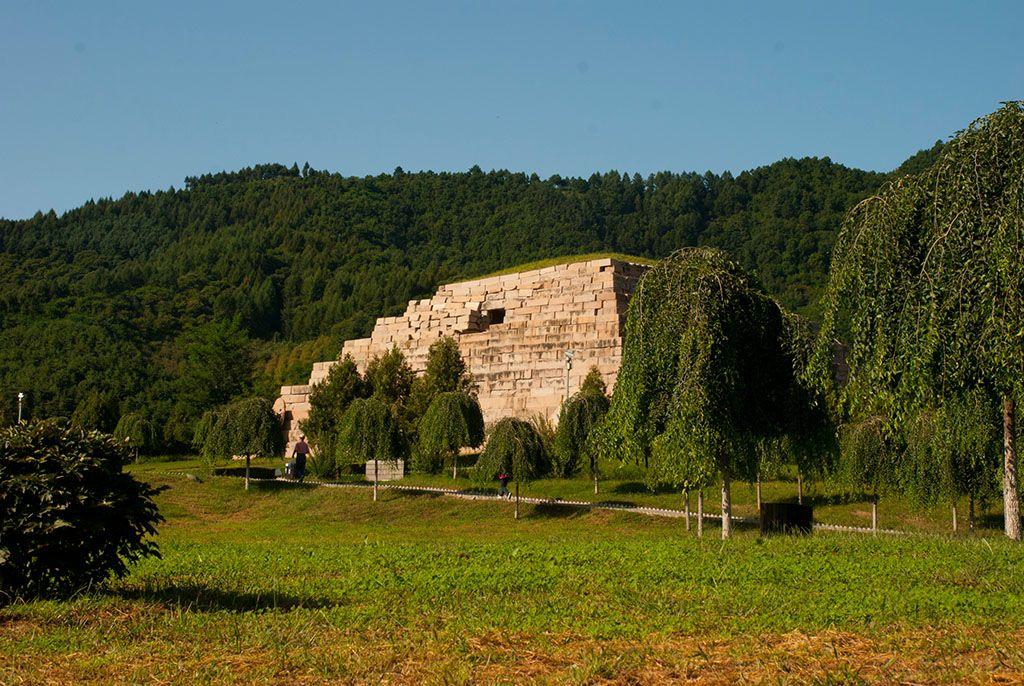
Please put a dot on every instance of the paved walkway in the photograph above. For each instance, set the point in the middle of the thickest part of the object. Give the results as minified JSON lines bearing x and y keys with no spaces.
{"x":470,"y":494}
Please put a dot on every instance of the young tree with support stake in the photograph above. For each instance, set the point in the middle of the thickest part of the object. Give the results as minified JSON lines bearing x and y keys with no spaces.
{"x":247,"y":427}
{"x":370,"y":430}
{"x":515,"y":448}
{"x":709,"y":375}
{"x":927,"y":286}
{"x":452,"y":421}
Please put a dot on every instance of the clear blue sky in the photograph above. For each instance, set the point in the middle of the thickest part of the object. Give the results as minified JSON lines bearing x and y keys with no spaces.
{"x":97,"y":98}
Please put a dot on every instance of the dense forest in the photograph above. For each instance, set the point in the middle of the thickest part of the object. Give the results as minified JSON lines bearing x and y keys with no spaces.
{"x":168,"y":303}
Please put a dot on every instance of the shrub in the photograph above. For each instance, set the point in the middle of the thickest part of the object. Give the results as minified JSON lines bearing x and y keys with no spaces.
{"x":452,"y":421}
{"x":69,"y":516}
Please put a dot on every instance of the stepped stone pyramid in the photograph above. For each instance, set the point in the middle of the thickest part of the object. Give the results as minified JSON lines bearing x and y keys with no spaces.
{"x":513,"y":332}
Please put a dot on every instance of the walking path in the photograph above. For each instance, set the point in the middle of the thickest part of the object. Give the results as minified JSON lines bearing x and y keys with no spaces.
{"x":635,"y":509}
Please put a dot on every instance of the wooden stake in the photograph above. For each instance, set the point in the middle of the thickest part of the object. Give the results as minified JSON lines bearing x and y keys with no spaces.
{"x":516,"y":516}
{"x":726,"y":508}
{"x":247,"y":472}
{"x":955,"y":528}
{"x":700,"y":513}
{"x":799,"y":488}
{"x":686,"y":508}
{"x":874,"y":515}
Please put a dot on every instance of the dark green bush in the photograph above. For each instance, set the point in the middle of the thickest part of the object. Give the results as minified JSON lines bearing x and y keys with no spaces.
{"x":70,"y":517}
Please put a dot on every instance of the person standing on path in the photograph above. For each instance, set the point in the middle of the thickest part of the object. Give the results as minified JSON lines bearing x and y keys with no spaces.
{"x":503,"y":479}
{"x":299,"y":455}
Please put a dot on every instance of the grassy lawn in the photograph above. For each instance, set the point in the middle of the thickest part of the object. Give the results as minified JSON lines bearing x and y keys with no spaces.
{"x":290,"y":584}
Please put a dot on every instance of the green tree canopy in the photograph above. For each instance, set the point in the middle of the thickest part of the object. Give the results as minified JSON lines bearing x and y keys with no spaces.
{"x":452,"y":421}
{"x":577,"y":418}
{"x":709,"y":376}
{"x":446,"y":372}
{"x":136,"y":431}
{"x":370,"y":432}
{"x":248,"y":427}
{"x":390,"y":376}
{"x":515,"y":448}
{"x":328,"y":401}
{"x":927,"y":286}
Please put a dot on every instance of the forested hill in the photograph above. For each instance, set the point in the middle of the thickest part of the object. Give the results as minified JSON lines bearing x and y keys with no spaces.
{"x":124,"y":305}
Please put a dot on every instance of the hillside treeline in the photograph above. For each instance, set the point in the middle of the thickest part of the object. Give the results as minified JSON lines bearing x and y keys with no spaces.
{"x":167,"y":303}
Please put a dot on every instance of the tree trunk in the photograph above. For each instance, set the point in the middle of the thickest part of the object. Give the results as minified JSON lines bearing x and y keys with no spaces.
{"x":970,"y":512}
{"x":516,"y":515}
{"x":375,"y":463}
{"x":596,"y":490}
{"x":799,"y":488}
{"x":955,"y":524}
{"x":1011,"y":497}
{"x":759,"y":494}
{"x":874,"y":514}
{"x":455,"y":465}
{"x":247,"y":472}
{"x":686,"y":507}
{"x":726,"y":507}
{"x":700,"y":513}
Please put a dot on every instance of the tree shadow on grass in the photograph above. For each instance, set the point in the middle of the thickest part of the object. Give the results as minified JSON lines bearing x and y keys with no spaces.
{"x":204,"y":599}
{"x":639,"y":487}
{"x":556,"y":511}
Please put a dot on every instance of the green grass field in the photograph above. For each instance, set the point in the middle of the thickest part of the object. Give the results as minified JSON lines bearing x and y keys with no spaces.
{"x":290,"y":584}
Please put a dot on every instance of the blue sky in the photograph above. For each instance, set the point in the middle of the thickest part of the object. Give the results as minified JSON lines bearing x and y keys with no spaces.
{"x":97,"y":98}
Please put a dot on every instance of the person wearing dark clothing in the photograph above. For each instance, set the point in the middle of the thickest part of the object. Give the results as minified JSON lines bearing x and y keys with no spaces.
{"x":503,"y":479}
{"x":300,"y":454}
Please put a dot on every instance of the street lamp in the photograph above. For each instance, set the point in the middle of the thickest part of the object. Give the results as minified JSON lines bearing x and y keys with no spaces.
{"x":569,"y":354}
{"x":21,"y":398}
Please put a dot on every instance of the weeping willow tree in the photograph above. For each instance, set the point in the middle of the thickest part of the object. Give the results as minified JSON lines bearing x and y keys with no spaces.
{"x":515,"y":448}
{"x":370,"y":431}
{"x":453,"y":421}
{"x":710,"y":378}
{"x":927,"y":288}
{"x":953,"y":452}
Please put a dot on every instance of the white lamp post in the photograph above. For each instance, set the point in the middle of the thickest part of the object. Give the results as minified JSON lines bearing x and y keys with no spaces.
{"x":21,"y":398}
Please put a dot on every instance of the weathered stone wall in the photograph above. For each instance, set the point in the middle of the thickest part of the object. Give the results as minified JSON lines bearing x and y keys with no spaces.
{"x":513,"y":331}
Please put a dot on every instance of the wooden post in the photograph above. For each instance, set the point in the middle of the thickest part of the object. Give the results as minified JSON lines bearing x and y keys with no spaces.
{"x":375,"y":463}
{"x":874,"y":515}
{"x":726,"y":507}
{"x":686,"y":507}
{"x":455,"y":465}
{"x":799,"y":488}
{"x":700,"y":513}
{"x":595,"y":484}
{"x":759,"y":494}
{"x":516,"y":516}
{"x":955,"y":528}
{"x":1011,"y":496}
{"x":247,"y":472}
